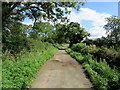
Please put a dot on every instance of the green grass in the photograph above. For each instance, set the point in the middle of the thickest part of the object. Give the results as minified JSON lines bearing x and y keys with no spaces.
{"x":20,"y":73}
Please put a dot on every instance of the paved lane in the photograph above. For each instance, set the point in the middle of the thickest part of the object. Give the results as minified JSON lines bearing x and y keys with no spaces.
{"x":61,"y":71}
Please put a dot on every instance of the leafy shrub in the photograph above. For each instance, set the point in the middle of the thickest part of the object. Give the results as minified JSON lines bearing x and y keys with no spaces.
{"x":78,"y":47}
{"x":117,"y":60}
{"x":57,"y":45}
{"x":76,"y":55}
{"x":82,"y":48}
{"x":20,"y":73}
{"x":85,"y":58}
{"x":100,"y":73}
{"x":110,"y":55}
{"x":112,"y":75}
{"x":98,"y":81}
{"x":68,"y":50}
{"x":80,"y":59}
{"x":93,"y":51}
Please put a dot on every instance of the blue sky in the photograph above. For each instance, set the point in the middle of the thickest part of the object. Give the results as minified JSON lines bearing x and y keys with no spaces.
{"x":92,"y":17}
{"x":109,"y":7}
{"x":101,"y":7}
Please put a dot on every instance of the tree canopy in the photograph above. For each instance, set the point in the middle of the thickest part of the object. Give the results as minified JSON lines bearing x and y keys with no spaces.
{"x":37,"y":11}
{"x":16,"y":34}
{"x":113,"y":29}
{"x":71,"y":32}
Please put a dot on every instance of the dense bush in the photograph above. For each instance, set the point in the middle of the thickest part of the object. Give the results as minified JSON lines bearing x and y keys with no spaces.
{"x":84,"y":49}
{"x":110,"y":55}
{"x":57,"y":45}
{"x":68,"y":50}
{"x":15,"y":38}
{"x":100,"y":73}
{"x":81,"y":47}
{"x":105,"y":53}
{"x":20,"y":73}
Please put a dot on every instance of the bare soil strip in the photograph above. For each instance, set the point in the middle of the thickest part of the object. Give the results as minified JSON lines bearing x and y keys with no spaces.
{"x":61,"y":71}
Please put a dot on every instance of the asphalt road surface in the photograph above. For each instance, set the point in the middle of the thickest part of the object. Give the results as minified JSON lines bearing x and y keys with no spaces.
{"x":61,"y":71}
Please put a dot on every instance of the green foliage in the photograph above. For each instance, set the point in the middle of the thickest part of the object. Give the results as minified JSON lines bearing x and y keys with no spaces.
{"x":43,"y":30}
{"x":20,"y":73}
{"x":76,"y":33}
{"x":18,"y":11}
{"x":113,"y":33}
{"x":110,"y":77}
{"x":98,"y":81}
{"x":100,"y":73}
{"x":59,"y":46}
{"x":60,"y":33}
{"x":15,"y":35}
{"x":77,"y":47}
{"x":110,"y":55}
{"x":75,"y":54}
{"x":16,"y":40}
{"x":23,"y":51}
{"x":106,"y":53}
{"x":68,"y":50}
{"x":82,"y":48}
{"x":78,"y":56}
{"x":70,"y":33}
{"x":80,"y":59}
{"x":113,"y":29}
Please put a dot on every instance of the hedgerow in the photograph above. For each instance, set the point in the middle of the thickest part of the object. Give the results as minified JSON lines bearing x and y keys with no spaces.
{"x":20,"y":73}
{"x":110,"y":55}
{"x":99,"y":72}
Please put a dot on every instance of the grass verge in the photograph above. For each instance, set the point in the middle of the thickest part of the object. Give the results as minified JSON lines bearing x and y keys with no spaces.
{"x":20,"y":73}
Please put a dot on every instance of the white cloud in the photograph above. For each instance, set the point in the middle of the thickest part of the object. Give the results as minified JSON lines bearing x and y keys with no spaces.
{"x":97,"y":32}
{"x":97,"y":20}
{"x":89,"y":14}
{"x":28,"y":22}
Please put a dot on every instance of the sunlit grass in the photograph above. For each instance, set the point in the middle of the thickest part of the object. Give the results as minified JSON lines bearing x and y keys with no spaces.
{"x":20,"y":73}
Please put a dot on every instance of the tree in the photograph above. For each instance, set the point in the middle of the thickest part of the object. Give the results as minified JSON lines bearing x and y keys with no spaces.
{"x":88,"y":41}
{"x":15,"y":12}
{"x":60,"y":31}
{"x":16,"y":39}
{"x":76,"y":33}
{"x":37,"y":11}
{"x":70,"y":32}
{"x":113,"y":29}
{"x":43,"y":29}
